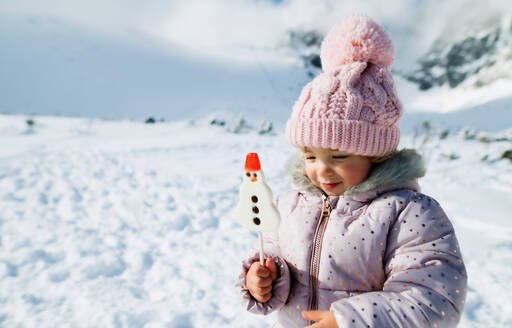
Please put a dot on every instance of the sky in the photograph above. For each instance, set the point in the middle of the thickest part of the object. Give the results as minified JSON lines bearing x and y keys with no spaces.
{"x":134,"y":59}
{"x":235,"y":28}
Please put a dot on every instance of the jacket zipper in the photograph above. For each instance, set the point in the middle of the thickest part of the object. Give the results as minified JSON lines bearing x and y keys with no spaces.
{"x":315,"y":254}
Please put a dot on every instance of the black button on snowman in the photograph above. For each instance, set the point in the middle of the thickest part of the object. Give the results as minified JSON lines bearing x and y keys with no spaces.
{"x":256,"y":210}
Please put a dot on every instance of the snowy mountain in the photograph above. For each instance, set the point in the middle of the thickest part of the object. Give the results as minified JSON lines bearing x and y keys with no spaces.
{"x":480,"y":55}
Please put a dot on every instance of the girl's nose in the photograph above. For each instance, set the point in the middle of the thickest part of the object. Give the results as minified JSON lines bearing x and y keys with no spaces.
{"x":325,"y":169}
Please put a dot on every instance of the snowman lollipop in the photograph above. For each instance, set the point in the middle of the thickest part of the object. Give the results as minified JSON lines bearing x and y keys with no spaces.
{"x":256,"y":211}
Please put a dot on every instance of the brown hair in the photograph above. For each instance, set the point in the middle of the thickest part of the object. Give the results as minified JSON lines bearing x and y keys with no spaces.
{"x":380,"y":159}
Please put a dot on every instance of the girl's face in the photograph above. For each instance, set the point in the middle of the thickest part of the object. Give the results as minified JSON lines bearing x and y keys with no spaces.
{"x":334,"y":171}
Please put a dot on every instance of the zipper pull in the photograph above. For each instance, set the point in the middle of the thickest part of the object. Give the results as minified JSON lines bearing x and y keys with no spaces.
{"x":327,"y":207}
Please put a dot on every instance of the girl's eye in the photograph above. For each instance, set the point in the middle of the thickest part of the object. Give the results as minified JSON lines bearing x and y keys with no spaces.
{"x":340,"y":156}
{"x":310,"y":157}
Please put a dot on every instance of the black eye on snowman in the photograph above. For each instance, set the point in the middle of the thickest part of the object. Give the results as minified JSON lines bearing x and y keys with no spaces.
{"x":254,"y":175}
{"x":248,"y":174}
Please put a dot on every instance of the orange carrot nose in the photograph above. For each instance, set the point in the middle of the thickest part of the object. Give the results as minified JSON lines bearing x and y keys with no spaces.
{"x":252,"y":162}
{"x":254,"y":179}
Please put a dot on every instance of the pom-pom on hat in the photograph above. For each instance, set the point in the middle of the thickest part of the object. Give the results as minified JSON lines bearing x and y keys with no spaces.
{"x":356,"y":40}
{"x":352,"y":106}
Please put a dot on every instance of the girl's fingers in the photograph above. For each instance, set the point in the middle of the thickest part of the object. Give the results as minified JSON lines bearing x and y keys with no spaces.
{"x":271,"y":267}
{"x":321,"y":318}
{"x":263,"y":298}
{"x":315,"y":325}
{"x":256,"y":281}
{"x":263,"y":282}
{"x":261,"y":271}
{"x":262,"y":290}
{"x":313,"y":315}
{"x":259,"y":282}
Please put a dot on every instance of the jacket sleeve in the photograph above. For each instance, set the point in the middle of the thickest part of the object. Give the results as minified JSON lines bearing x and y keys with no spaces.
{"x":280,"y":287}
{"x":426,"y":278}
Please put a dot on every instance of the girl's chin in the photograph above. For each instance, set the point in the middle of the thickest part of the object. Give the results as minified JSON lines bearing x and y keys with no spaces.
{"x":331,"y":193}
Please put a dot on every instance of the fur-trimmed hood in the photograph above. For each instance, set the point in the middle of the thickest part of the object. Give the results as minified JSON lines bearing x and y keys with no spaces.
{"x":405,"y":166}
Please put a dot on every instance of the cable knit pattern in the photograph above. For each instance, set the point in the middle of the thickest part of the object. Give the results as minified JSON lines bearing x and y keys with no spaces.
{"x":353,"y":105}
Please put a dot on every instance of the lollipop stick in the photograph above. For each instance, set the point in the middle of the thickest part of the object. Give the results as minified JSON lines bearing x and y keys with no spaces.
{"x":260,"y":237}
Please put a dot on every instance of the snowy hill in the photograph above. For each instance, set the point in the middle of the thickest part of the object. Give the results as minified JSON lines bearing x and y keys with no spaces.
{"x":124,"y":224}
{"x":478,"y":54}
{"x":53,"y":67}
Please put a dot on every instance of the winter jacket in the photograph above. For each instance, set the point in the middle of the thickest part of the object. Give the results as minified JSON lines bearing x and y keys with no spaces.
{"x":380,"y":255}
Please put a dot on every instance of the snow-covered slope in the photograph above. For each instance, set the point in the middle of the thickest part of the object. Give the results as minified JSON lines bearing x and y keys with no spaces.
{"x":54,"y":67}
{"x":123,"y":224}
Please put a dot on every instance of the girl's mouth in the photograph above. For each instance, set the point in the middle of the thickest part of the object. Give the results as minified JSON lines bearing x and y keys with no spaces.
{"x":330,"y":185}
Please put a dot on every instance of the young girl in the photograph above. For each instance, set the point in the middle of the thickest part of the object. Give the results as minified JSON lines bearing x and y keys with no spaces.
{"x":358,"y":245}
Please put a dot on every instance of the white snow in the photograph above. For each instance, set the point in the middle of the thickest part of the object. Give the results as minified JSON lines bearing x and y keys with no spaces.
{"x":123,"y":224}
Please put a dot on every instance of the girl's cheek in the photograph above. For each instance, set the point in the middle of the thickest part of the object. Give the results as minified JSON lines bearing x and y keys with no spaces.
{"x":354,"y":174}
{"x":311,"y":174}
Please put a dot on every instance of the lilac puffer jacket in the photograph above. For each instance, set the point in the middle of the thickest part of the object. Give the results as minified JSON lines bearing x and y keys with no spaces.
{"x":380,"y":255}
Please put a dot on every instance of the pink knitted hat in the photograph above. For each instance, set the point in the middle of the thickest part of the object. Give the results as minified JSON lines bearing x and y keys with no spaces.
{"x":352,"y":106}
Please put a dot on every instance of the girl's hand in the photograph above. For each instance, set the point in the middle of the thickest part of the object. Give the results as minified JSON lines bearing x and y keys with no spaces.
{"x":259,"y":280}
{"x":323,"y":319}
